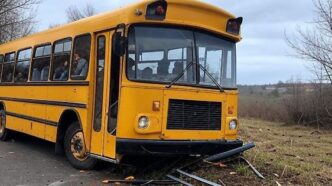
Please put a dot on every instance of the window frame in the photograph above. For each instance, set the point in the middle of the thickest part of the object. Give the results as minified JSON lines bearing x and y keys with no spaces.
{"x":57,"y":54}
{"x":20,"y":50}
{"x":97,"y":126}
{"x":41,"y":45}
{"x":4,"y":62}
{"x":194,"y":30}
{"x":18,"y":61}
{"x":33,"y":58}
{"x":72,"y":56}
{"x":9,"y":53}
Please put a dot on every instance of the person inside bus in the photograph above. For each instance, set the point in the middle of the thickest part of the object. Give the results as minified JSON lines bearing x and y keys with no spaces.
{"x":19,"y":77}
{"x":80,"y":66}
{"x":61,"y":73}
{"x":147,"y":73}
{"x":162,"y":69}
{"x":178,"y":68}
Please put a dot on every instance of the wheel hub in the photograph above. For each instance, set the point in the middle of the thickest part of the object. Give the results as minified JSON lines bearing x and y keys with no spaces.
{"x":78,"y":147}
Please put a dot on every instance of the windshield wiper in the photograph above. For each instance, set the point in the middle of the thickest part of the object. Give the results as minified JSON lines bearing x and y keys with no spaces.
{"x":180,"y":75}
{"x":211,"y":77}
{"x":201,"y":67}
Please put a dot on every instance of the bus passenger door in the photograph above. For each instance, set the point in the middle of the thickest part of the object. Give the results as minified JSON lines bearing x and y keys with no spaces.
{"x":99,"y":137}
{"x":113,"y":92}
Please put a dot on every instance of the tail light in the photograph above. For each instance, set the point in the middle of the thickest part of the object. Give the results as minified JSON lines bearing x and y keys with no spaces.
{"x":156,"y":10}
{"x":234,"y":26}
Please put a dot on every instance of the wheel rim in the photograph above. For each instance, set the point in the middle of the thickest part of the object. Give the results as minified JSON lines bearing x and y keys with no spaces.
{"x":2,"y":122}
{"x":78,"y":146}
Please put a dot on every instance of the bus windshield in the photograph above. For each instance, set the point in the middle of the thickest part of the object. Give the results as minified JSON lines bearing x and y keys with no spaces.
{"x":160,"y":54}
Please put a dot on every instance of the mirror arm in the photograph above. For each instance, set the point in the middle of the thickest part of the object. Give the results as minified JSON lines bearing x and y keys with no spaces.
{"x":120,"y":41}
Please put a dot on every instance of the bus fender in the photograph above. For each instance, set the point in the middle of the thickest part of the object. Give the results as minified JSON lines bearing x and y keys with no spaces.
{"x":67,"y":117}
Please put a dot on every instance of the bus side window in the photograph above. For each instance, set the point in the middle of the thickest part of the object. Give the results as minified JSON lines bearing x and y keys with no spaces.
{"x":22,"y":66}
{"x":1,"y":61}
{"x":61,"y":59}
{"x":41,"y":63}
{"x":81,"y":57}
{"x":8,"y":68}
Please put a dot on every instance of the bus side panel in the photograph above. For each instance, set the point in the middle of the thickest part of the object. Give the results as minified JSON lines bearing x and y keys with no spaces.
{"x":24,"y":125}
{"x":50,"y":133}
{"x":14,"y":123}
{"x":37,"y":111}
{"x":71,"y":95}
{"x":21,"y":107}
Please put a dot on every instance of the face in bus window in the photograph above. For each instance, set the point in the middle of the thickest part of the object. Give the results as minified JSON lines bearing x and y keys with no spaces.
{"x":80,"y":66}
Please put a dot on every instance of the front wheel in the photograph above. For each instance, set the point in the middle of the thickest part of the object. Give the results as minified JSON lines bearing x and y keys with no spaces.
{"x":75,"y":148}
{"x":4,"y":133}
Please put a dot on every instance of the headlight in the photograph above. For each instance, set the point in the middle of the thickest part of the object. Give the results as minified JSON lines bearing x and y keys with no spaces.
{"x":233,"y":125}
{"x":143,"y":122}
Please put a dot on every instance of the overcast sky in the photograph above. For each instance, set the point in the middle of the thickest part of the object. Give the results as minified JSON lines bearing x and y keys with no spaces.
{"x":263,"y":55}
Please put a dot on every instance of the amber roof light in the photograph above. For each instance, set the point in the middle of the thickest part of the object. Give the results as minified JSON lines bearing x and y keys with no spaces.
{"x":156,"y":10}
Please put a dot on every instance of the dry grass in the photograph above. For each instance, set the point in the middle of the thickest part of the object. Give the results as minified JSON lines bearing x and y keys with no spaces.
{"x":298,"y":155}
{"x":289,"y":155}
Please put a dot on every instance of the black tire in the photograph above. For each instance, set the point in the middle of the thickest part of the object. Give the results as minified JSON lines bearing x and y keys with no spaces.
{"x":82,"y":164}
{"x":4,"y":133}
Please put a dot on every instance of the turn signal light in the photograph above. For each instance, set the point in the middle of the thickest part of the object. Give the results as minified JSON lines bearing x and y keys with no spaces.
{"x":234,"y":26}
{"x":156,"y":106}
{"x":231,"y":110}
{"x":156,"y":10}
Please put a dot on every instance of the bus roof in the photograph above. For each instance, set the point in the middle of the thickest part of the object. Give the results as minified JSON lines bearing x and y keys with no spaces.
{"x":187,"y":13}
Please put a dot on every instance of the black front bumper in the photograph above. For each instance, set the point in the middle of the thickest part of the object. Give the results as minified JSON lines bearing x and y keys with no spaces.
{"x":170,"y":148}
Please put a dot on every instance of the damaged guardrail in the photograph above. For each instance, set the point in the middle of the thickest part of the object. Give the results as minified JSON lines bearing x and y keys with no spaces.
{"x":213,"y":158}
{"x":227,"y":154}
{"x":179,"y":176}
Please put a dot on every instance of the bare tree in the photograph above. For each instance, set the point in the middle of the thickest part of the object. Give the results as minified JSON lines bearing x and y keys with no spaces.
{"x":75,"y":14}
{"x":16,"y":18}
{"x":316,"y":44}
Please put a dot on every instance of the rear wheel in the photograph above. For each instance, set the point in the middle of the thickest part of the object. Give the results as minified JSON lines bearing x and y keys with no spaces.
{"x":4,"y":133}
{"x":75,"y":148}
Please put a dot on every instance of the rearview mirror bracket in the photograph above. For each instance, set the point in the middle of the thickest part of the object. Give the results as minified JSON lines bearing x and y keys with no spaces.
{"x":119,"y":43}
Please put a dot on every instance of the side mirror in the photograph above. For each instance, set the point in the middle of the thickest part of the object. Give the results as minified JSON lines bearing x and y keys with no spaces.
{"x":120,"y":44}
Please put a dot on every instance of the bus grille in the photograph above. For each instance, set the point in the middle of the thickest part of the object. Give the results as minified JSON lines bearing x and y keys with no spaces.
{"x":193,"y":115}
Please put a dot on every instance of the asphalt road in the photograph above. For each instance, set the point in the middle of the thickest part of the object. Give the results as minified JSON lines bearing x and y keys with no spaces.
{"x":28,"y":161}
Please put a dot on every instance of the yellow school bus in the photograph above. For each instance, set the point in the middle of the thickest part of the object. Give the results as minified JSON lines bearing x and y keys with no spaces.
{"x":152,"y":78}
